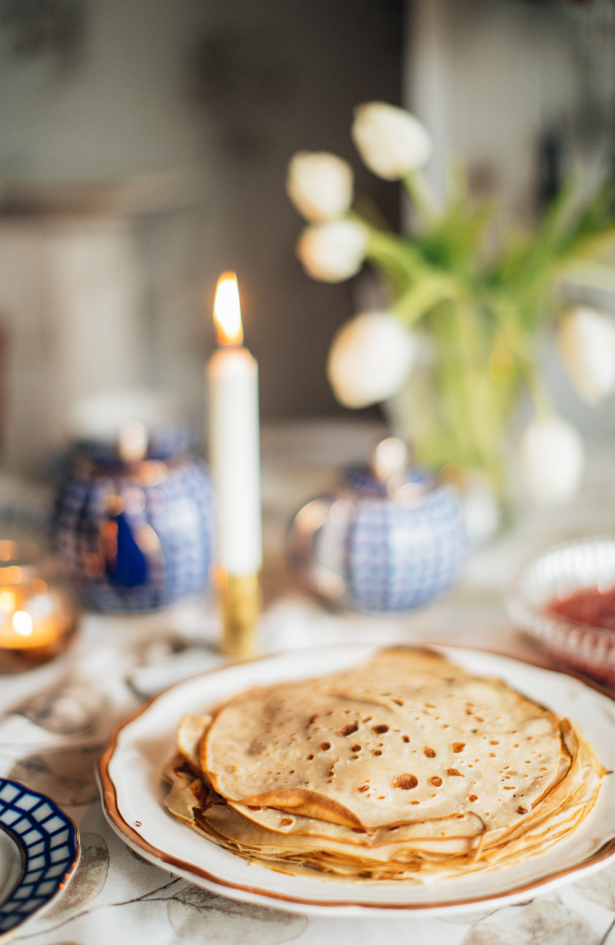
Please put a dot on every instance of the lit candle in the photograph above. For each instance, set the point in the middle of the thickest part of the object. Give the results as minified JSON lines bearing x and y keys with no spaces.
{"x":21,"y":632}
{"x":29,"y":616}
{"x":232,"y":381}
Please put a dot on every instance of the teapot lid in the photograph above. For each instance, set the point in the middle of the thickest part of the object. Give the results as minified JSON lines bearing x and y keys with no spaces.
{"x":128,"y":424}
{"x":361,"y":479}
{"x":389,"y":474}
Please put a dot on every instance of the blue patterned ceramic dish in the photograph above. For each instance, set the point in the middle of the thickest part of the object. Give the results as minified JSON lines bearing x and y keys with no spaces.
{"x":379,"y":550}
{"x":39,"y":848}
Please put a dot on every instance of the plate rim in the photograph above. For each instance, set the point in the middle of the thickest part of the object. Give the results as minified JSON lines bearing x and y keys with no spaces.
{"x":111,"y":809}
{"x":66,"y":876}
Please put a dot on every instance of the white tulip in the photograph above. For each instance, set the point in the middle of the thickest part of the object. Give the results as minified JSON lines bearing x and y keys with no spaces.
{"x":552,"y":458}
{"x":391,"y":141}
{"x":370,"y":358}
{"x":333,"y":251}
{"x":586,"y":344}
{"x":320,"y":185}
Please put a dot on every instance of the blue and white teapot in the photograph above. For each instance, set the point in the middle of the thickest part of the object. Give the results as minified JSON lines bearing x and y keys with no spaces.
{"x":391,"y":540}
{"x":134,"y":515}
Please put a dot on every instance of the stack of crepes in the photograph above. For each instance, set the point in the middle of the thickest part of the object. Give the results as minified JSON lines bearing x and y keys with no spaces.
{"x":404,"y":768}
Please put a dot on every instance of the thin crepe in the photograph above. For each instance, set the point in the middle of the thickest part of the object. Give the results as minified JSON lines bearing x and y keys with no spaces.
{"x":406,"y":768}
{"x":373,"y":748}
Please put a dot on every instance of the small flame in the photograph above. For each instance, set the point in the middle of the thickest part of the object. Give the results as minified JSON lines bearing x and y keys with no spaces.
{"x":227,"y":310}
{"x":22,"y":623}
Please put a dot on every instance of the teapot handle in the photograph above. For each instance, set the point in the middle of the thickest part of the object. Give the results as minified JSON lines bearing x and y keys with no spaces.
{"x":301,"y":546}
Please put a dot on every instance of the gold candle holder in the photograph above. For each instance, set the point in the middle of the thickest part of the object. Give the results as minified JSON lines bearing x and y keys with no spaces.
{"x":240,"y":599}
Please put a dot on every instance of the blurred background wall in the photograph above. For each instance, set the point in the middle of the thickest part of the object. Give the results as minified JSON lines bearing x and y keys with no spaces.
{"x":144,"y":146}
{"x":143,"y":151}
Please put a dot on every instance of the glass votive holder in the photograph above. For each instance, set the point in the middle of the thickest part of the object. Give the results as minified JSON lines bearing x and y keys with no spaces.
{"x":39,"y":609}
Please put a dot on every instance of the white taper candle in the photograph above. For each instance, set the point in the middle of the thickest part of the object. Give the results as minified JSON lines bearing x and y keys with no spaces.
{"x":233,"y":434}
{"x":234,"y":456}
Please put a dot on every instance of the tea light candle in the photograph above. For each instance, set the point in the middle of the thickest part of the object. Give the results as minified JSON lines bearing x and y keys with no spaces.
{"x":21,"y":632}
{"x":232,"y":382}
{"x":36,"y":618}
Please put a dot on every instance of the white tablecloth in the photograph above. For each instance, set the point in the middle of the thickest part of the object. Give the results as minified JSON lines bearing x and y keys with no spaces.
{"x":54,"y":722}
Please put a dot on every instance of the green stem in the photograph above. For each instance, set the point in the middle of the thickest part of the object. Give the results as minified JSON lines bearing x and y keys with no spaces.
{"x":421,"y":195}
{"x":467,"y":387}
{"x":429,"y":292}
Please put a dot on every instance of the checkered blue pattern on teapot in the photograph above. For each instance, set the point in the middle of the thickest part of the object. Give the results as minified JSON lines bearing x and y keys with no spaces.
{"x":379,"y":549}
{"x":134,"y":518}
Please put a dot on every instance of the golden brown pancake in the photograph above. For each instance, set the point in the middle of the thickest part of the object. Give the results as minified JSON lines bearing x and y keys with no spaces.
{"x":401,"y":768}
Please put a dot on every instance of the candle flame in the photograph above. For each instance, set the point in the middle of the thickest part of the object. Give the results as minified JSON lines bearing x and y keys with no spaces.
{"x":227,"y":310}
{"x":22,"y":623}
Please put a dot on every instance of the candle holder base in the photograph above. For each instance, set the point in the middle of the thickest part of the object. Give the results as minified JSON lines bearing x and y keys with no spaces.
{"x":240,"y":597}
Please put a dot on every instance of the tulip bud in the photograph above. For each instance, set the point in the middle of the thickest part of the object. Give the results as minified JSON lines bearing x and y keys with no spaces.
{"x":587,"y":347}
{"x":391,"y":141}
{"x":552,"y":457}
{"x":319,"y":185}
{"x":333,"y":251}
{"x":370,"y":358}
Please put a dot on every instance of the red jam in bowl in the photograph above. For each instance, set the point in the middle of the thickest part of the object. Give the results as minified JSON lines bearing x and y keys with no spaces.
{"x":589,"y":607}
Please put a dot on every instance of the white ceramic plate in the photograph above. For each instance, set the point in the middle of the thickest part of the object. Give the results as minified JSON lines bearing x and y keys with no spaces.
{"x":130,"y":781}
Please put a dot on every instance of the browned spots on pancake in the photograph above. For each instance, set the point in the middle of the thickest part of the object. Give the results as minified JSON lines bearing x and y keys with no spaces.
{"x":363,"y":788}
{"x":253,"y":808}
{"x":349,"y":729}
{"x":521,"y":810}
{"x":406,"y":782}
{"x":380,"y":729}
{"x":325,"y":746}
{"x":453,"y":773}
{"x":310,"y":758}
{"x":405,"y":739}
{"x":473,"y":797}
{"x":377,"y":752}
{"x":398,"y":701}
{"x":311,"y":720}
{"x":429,"y":752}
{"x":436,"y":781}
{"x":356,"y":748}
{"x":285,"y":822}
{"x":494,"y":742}
{"x":458,"y":746}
